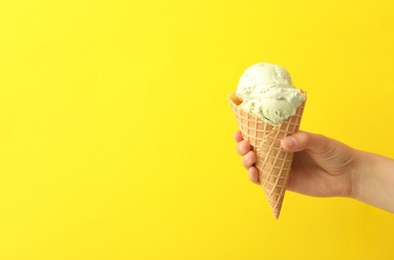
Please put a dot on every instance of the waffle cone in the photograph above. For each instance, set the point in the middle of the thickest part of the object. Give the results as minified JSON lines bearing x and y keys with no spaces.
{"x":273,"y":163}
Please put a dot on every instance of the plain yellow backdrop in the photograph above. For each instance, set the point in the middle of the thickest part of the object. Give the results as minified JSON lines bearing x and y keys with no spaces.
{"x":116,"y":138}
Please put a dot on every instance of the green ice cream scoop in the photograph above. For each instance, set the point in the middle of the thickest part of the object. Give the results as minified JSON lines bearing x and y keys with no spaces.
{"x":267,"y":91}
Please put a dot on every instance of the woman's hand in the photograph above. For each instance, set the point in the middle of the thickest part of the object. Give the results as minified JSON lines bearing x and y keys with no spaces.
{"x":322,"y":167}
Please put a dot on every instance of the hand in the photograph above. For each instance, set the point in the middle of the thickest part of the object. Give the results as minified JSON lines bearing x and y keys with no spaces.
{"x":322,"y":167}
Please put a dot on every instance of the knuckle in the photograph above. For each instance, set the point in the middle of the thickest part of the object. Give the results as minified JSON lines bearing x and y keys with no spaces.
{"x":243,"y":147}
{"x":248,"y":159}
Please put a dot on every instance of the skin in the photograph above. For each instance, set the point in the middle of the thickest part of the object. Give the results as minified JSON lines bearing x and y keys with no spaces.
{"x":323,"y":167}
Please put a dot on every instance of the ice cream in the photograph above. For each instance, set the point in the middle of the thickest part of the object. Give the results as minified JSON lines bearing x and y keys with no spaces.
{"x":268,"y":108}
{"x":266,"y":90}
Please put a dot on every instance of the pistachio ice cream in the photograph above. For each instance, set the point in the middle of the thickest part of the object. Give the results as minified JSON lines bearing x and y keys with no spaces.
{"x":267,"y":91}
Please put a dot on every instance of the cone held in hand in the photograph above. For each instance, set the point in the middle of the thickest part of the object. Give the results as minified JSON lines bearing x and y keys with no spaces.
{"x":273,"y":163}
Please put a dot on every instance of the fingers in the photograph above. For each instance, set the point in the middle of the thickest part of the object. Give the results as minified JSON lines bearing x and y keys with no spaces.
{"x":306,"y":141}
{"x":248,"y":156}
{"x":243,"y":147}
{"x":253,"y":175}
{"x":248,"y":159}
{"x":238,"y":136}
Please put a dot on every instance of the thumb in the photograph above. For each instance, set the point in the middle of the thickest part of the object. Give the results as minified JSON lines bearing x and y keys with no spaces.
{"x":306,"y":141}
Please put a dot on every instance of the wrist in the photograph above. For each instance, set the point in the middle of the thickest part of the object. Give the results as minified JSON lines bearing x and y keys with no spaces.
{"x":356,"y":172}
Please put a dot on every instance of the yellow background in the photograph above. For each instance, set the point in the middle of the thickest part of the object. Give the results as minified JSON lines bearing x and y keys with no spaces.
{"x":116,"y":138}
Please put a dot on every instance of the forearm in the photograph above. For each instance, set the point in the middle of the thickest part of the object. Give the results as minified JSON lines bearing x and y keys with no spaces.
{"x":373,"y":181}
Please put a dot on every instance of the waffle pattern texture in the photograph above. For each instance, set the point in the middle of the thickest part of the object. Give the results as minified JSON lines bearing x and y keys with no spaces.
{"x":273,"y":163}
